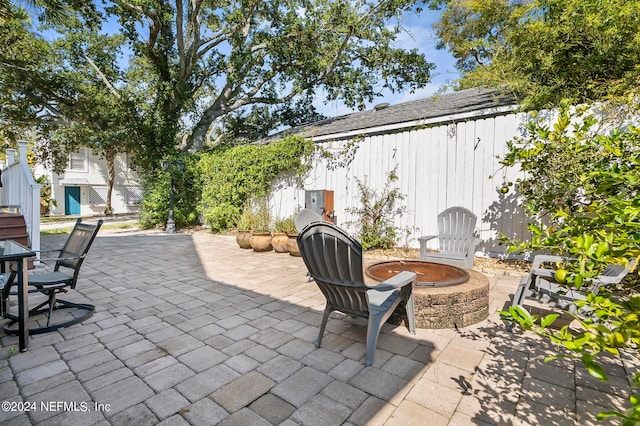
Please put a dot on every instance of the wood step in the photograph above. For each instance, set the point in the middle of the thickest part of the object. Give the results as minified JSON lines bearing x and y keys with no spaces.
{"x":11,"y":220}
{"x":6,"y":232}
{"x":13,"y":227}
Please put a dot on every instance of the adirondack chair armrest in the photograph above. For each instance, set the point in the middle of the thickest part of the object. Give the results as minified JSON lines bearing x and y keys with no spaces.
{"x":426,"y":238}
{"x":604,"y":280}
{"x":397,"y":281}
{"x":471,"y":250}
{"x":423,"y":244}
{"x":540,"y":259}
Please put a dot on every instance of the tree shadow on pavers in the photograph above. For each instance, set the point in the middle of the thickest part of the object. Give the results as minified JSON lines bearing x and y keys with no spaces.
{"x":540,"y":310}
{"x":184,"y":321}
{"x":513,"y":384}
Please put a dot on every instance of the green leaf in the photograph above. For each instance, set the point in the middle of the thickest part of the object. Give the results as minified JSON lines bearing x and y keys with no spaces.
{"x":596,"y":370}
{"x":605,"y":414}
{"x":548,"y":320}
{"x":578,"y":281}
{"x":602,"y":249}
{"x":521,"y":313}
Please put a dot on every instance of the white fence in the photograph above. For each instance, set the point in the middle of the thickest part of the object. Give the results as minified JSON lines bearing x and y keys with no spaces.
{"x":438,"y":167}
{"x":20,"y":190}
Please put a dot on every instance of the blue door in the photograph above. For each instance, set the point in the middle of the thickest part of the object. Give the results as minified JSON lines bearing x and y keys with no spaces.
{"x":72,"y":200}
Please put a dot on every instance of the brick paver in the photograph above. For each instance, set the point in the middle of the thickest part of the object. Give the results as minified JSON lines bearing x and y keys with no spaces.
{"x":207,"y":333}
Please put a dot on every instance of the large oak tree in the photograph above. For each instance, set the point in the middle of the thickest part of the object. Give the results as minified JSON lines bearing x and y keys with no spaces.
{"x":152,"y":75}
{"x":201,"y":60}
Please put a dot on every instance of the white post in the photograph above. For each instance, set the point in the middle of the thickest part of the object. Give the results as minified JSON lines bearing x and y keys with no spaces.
{"x":22,"y":145}
{"x":35,"y":218}
{"x":11,"y":156}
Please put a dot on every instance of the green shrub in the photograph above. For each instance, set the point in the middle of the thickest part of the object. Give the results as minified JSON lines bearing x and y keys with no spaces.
{"x":586,"y":181}
{"x":244,"y":219}
{"x":156,"y":188}
{"x":231,"y":176}
{"x":261,"y":215}
{"x":582,"y":190}
{"x":376,"y":213}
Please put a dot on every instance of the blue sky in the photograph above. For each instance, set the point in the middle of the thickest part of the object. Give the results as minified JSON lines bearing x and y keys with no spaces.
{"x":420,"y":35}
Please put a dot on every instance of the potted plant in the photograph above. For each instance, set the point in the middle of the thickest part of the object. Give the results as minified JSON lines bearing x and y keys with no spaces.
{"x":289,"y":226}
{"x":243,"y":223}
{"x":260,"y":226}
{"x":280,"y":237}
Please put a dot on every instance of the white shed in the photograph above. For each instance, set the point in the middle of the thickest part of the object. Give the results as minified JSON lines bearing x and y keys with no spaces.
{"x":444,"y":147}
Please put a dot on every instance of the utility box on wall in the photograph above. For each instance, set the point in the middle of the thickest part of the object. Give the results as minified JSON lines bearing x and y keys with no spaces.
{"x":321,"y":202}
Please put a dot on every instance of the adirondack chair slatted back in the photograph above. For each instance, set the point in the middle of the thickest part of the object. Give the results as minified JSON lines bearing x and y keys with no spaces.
{"x":456,"y":226}
{"x":76,"y":247}
{"x":613,"y":270}
{"x":612,"y":274}
{"x":305,"y":218}
{"x":334,"y":261}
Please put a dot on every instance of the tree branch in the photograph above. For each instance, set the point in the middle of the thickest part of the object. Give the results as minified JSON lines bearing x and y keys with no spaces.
{"x":150,"y":14}
{"x":209,"y":43}
{"x":180,"y":36}
{"x":102,"y":76}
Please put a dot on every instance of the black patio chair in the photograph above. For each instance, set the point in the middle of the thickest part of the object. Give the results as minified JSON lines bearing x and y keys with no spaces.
{"x":61,"y":279}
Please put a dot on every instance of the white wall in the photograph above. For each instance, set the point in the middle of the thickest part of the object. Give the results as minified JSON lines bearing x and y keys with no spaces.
{"x":438,"y":167}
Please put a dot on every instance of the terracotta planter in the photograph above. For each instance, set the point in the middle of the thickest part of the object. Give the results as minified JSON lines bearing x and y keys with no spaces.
{"x":261,"y":241}
{"x":279,"y":242}
{"x":244,"y":239}
{"x":292,"y":245}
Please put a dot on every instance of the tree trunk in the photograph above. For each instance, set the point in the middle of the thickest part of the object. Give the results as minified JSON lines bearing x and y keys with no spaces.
{"x":111,"y":176}
{"x":199,"y":135}
{"x":198,"y":138}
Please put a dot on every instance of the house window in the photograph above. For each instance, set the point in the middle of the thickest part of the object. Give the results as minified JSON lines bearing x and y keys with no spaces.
{"x":78,"y":160}
{"x":130,"y":158}
{"x":97,"y":195}
{"x":132,"y":195}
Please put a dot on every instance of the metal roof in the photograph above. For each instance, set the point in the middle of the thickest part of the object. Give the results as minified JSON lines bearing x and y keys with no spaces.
{"x":438,"y":108}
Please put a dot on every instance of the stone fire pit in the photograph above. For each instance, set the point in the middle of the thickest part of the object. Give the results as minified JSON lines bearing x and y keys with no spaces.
{"x":445,"y":296}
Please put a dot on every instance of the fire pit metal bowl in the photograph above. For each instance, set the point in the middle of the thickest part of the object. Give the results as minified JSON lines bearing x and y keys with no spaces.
{"x":429,"y":274}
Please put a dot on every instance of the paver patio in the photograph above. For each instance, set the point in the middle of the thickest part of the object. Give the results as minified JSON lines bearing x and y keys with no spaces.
{"x":190,"y":329}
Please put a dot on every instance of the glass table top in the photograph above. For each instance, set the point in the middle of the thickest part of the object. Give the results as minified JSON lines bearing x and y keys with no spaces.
{"x":12,"y":249}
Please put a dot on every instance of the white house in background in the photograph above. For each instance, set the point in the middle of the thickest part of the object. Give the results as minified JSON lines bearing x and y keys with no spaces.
{"x":82,"y":188}
{"x":443,"y":148}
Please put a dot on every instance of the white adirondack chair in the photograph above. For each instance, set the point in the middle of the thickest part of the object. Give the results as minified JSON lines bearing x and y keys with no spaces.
{"x":456,"y":238}
{"x":540,"y":284}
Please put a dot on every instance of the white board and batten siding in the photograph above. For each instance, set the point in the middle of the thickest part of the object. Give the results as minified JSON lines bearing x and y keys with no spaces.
{"x":439,"y":166}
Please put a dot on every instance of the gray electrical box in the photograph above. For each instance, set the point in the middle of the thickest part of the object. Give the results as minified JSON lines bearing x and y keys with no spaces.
{"x":321,"y":202}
